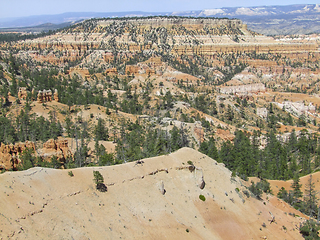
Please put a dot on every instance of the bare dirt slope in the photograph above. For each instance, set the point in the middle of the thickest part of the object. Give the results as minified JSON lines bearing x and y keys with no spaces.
{"x":45,"y":203}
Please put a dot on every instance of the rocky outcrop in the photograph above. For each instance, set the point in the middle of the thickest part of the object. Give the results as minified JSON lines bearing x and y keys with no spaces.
{"x":262,"y":112}
{"x":46,"y":96}
{"x":297,"y":108}
{"x":22,"y":93}
{"x":162,"y":189}
{"x":9,"y":154}
{"x":111,"y":71}
{"x":132,"y":69}
{"x":58,"y":148}
{"x":243,"y":89}
{"x":271,"y":47}
{"x":225,"y":135}
{"x":172,"y":35}
{"x":56,"y":96}
{"x":140,"y":68}
{"x":198,"y":131}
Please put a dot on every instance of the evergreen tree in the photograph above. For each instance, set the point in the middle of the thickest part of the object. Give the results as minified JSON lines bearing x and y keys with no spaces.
{"x":209,"y":148}
{"x":214,"y":108}
{"x":310,"y":199}
{"x":256,"y":191}
{"x":101,"y":132}
{"x":69,"y":126}
{"x":283,"y":194}
{"x":293,"y":142}
{"x":106,"y":159}
{"x":174,"y":139}
{"x":226,"y":154}
{"x":304,"y":152}
{"x":309,"y":230}
{"x":99,"y":181}
{"x":242,"y":152}
{"x":7,"y":131}
{"x":296,"y":186}
{"x":296,"y":193}
{"x":274,"y":162}
{"x":230,"y":113}
{"x":27,"y":159}
{"x":14,"y":87}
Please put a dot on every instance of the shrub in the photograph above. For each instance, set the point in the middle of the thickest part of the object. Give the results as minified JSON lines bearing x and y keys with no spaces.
{"x":245,"y":192}
{"x":244,"y":177}
{"x":202,"y":198}
{"x":256,"y":191}
{"x":190,"y":162}
{"x":70,"y":173}
{"x":264,"y":185}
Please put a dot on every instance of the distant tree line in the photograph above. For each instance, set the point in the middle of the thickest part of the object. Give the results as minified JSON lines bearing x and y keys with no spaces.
{"x":275,"y":161}
{"x":12,"y":37}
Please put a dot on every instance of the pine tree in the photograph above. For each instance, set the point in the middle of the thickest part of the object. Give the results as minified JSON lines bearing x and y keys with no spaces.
{"x":296,"y":186}
{"x":309,"y":230}
{"x":27,"y":159}
{"x":101,"y":132}
{"x":99,"y":181}
{"x":209,"y":148}
{"x":230,"y":113}
{"x":226,"y":155}
{"x":310,"y":199}
{"x":242,"y":153}
{"x":274,"y":163}
{"x":69,"y":126}
{"x":296,"y":193}
{"x":14,"y":87}
{"x":292,"y":143}
{"x":304,"y":153}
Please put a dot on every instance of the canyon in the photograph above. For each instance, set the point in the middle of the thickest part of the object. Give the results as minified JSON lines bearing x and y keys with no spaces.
{"x":111,"y":95}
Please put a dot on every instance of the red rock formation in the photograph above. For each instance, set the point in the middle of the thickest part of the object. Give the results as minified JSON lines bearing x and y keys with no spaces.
{"x":9,"y":154}
{"x":58,"y":148}
{"x":112,"y":71}
{"x":44,"y":96}
{"x":198,"y":131}
{"x":56,"y":96}
{"x":132,"y":69}
{"x":22,"y":93}
{"x":82,"y":71}
{"x":225,"y":134}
